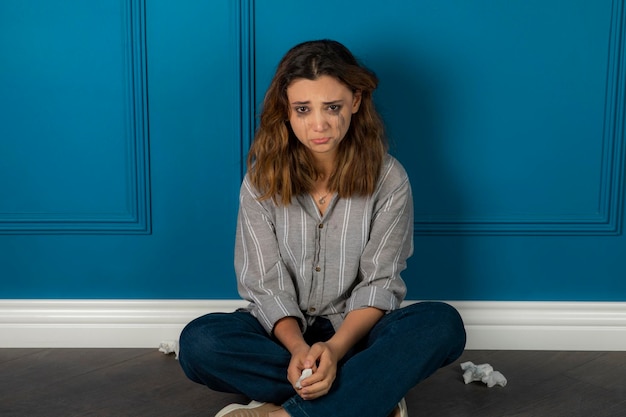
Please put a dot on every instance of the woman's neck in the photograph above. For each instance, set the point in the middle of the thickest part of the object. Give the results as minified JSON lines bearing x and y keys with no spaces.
{"x":325,"y":167}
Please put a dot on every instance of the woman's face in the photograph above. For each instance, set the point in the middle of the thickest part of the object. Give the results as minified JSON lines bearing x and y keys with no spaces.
{"x":320,"y":112}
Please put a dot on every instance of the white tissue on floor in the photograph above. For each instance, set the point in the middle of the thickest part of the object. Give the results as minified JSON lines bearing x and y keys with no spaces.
{"x":169,"y":346}
{"x":483,"y":373}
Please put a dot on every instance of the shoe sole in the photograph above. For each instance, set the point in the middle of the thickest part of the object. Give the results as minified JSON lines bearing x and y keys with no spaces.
{"x":403,"y":410}
{"x":233,"y":407}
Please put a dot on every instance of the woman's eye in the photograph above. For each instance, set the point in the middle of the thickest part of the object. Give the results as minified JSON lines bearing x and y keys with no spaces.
{"x":301,"y":109}
{"x":334,"y":108}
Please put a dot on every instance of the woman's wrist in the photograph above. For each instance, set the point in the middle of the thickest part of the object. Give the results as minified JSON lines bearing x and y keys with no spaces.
{"x":287,"y":331}
{"x":355,"y":326}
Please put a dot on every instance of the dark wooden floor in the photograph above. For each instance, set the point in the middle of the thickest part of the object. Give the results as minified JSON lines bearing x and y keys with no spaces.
{"x":141,"y":382}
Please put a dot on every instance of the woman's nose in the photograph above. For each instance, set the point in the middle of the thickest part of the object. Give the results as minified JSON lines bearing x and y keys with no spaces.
{"x":319,"y":122}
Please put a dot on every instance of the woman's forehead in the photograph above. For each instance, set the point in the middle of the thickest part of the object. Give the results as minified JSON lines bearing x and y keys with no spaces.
{"x":324,"y":88}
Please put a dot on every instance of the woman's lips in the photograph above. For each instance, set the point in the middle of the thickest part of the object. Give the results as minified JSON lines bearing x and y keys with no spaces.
{"x":320,"y":141}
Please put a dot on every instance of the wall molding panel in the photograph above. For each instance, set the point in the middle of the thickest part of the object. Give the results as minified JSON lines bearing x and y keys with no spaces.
{"x":603,"y":220}
{"x":49,"y":207}
{"x":146,"y":323}
{"x":246,"y":124}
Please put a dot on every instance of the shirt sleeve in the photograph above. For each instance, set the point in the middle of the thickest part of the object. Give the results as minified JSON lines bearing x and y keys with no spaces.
{"x":389,"y":246}
{"x":262,"y":277}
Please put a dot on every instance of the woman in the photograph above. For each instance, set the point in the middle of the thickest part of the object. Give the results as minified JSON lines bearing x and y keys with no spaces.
{"x":324,"y":229}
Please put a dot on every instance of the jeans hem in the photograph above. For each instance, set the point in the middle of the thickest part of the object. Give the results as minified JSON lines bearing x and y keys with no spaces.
{"x":292,"y":408}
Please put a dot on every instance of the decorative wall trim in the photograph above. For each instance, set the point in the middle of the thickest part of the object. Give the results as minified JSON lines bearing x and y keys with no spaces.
{"x":246,"y":68}
{"x":136,"y":218}
{"x":607,"y":220}
{"x":145,"y":323}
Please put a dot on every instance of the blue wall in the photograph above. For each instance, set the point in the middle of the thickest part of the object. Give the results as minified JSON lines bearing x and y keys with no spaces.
{"x":123,"y":127}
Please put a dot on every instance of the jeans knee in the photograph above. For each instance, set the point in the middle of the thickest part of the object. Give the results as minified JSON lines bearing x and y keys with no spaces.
{"x":450,"y":328}
{"x":448,"y":314}
{"x":213,"y":340}
{"x":186,"y":352}
{"x":198,"y":346}
{"x":189,"y":335}
{"x":445,"y":322}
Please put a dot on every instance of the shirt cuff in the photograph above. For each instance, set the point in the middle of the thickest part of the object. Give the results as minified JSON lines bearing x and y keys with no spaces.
{"x":373,"y":296}
{"x":271,"y":309}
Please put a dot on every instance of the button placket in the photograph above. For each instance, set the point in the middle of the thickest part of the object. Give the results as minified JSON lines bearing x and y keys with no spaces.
{"x":317,"y":290}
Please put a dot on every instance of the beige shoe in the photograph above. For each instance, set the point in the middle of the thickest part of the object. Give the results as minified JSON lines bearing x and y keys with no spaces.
{"x":400,"y":410}
{"x":403,"y":410}
{"x":254,"y":409}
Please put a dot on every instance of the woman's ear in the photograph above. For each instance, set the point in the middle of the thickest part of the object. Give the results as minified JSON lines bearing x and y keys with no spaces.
{"x":356,"y":102}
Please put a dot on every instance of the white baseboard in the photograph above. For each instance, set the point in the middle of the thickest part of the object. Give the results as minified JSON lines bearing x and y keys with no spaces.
{"x":145,"y":323}
{"x":500,"y":325}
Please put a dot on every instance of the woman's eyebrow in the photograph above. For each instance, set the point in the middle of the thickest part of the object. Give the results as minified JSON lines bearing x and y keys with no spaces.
{"x":338,"y":101}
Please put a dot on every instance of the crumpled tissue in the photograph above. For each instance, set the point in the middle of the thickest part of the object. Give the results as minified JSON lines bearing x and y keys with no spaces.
{"x":483,"y":373}
{"x":169,"y":346}
{"x":305,"y":374}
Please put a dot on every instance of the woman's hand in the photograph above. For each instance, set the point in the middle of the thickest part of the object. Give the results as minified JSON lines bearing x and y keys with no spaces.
{"x":322,"y":359}
{"x":299,"y":363}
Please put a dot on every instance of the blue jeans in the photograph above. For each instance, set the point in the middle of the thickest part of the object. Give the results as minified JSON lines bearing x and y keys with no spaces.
{"x":231,"y":352}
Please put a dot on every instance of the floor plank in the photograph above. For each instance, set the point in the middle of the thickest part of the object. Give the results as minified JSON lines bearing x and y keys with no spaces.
{"x":144,"y":382}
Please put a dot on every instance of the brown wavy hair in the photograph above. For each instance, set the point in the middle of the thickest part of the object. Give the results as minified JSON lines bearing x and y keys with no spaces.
{"x":279,"y":166}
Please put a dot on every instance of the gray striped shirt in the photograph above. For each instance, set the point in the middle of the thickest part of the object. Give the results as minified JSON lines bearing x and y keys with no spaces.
{"x":292,"y":261}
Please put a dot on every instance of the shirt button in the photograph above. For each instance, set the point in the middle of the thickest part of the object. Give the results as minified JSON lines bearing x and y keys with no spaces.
{"x":318,"y":269}
{"x":321,"y":225}
{"x":312,"y":310}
